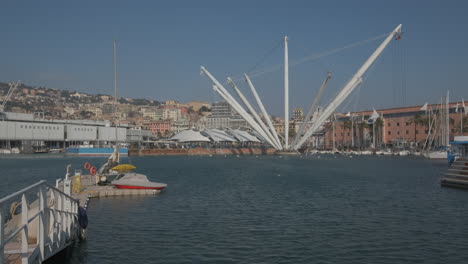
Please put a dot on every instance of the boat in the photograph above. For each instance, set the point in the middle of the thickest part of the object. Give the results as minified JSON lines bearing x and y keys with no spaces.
{"x":437,"y":155}
{"x":93,"y":151}
{"x":137,"y":181}
{"x":458,"y":149}
{"x":403,"y":152}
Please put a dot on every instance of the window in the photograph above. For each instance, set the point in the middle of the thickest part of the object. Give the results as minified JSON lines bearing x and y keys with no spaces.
{"x":407,"y":123}
{"x":398,"y":132}
{"x":417,"y":132}
{"x":389,"y":124}
{"x":397,"y":123}
{"x":348,"y":134}
{"x":426,"y":131}
{"x":407,"y":132}
{"x":21,"y":126}
{"x":389,"y":132}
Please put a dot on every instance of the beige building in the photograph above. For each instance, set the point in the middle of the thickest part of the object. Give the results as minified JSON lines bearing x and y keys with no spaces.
{"x":196,"y":105}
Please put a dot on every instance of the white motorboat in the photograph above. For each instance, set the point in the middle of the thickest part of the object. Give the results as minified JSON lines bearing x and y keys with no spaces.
{"x":137,"y":181}
{"x":435,"y":155}
{"x":403,"y":152}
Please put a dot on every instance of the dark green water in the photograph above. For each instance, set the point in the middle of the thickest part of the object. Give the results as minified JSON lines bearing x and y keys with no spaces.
{"x":268,"y":210}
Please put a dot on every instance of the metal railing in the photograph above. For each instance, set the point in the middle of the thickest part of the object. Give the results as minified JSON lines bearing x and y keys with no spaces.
{"x":45,"y":225}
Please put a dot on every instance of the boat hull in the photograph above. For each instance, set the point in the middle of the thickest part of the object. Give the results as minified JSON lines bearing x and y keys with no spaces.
{"x":118,"y":186}
{"x":90,"y":152}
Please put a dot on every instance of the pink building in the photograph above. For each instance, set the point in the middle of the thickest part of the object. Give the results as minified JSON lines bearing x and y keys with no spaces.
{"x":162,"y":127}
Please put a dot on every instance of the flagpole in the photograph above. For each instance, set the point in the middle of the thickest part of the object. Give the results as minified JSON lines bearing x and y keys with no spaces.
{"x":334,"y":120}
{"x":352,"y":131}
{"x":461,"y":122}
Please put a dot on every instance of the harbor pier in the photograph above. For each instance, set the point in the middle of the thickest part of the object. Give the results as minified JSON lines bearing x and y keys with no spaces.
{"x":41,"y":220}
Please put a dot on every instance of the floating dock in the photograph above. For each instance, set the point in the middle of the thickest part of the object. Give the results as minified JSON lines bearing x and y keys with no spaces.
{"x":41,"y":220}
{"x":457,"y":175}
{"x":84,"y":188}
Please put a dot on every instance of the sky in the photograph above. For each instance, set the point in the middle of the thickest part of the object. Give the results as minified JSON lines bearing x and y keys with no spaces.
{"x":162,"y":44}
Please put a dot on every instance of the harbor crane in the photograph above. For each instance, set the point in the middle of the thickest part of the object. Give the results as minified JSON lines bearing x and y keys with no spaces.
{"x":266,"y":130}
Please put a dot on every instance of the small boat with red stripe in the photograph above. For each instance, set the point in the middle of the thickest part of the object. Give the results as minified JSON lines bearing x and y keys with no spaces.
{"x":137,"y":181}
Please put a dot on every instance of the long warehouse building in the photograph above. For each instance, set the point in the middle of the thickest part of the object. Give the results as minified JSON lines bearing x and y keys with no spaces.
{"x":25,"y":130}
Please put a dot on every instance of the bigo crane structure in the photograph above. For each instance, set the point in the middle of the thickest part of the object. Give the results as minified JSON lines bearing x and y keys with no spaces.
{"x":266,"y":130}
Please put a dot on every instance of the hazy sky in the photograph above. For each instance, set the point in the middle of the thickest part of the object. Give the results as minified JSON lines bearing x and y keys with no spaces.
{"x":161,"y":45}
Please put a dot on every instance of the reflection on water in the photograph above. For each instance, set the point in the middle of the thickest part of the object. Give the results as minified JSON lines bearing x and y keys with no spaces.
{"x":316,"y":209}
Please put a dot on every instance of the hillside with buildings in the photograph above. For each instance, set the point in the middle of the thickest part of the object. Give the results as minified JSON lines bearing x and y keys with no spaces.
{"x":162,"y":118}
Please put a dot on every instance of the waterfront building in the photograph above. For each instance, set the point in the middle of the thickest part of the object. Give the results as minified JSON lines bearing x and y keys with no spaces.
{"x":26,"y":131}
{"x":171,"y":113}
{"x":298,"y":114}
{"x":154,"y":115}
{"x":224,"y":116}
{"x":396,"y":127}
{"x":180,"y":125}
{"x":160,"y":128}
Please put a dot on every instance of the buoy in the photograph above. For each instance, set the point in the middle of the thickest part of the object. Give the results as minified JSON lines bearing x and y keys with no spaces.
{"x":87,"y":165}
{"x":92,"y":170}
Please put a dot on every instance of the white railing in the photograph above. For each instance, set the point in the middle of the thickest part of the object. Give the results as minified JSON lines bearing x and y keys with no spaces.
{"x":51,"y":220}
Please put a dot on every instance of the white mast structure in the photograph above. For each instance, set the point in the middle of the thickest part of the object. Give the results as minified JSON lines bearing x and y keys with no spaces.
{"x":262,"y":108}
{"x":447,"y":120}
{"x":286,"y":94}
{"x":252,"y":111}
{"x":217,"y":87}
{"x":311,"y":109}
{"x":355,"y":81}
{"x":115,"y":90}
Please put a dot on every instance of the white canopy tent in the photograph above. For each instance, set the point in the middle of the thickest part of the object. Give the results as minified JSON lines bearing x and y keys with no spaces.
{"x":218,"y":135}
{"x":190,"y":136}
{"x":243,"y":136}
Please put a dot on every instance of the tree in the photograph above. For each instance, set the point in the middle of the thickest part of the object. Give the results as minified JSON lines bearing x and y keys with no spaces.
{"x":204,"y":109}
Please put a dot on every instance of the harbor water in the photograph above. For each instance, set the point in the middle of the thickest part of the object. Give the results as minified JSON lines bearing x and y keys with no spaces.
{"x":267,"y":209}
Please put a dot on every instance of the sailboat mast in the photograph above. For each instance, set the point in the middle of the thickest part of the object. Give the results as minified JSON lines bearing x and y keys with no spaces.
{"x":115,"y":90}
{"x":286,"y":94}
{"x":333,"y":134}
{"x":447,"y":120}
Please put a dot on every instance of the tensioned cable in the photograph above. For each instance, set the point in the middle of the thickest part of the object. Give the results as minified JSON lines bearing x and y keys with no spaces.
{"x":317,"y":55}
{"x":311,"y":57}
{"x":267,"y":54}
{"x":364,"y":80}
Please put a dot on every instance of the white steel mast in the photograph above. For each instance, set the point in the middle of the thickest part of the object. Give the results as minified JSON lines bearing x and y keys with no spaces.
{"x":348,"y":88}
{"x":311,"y":110}
{"x":252,"y":110}
{"x":116,"y":149}
{"x":447,"y":120}
{"x":217,"y":87}
{"x":262,"y":108}
{"x":115,"y":92}
{"x":286,"y":94}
